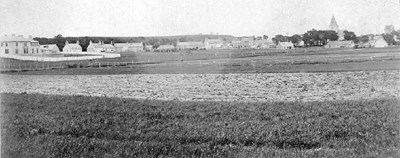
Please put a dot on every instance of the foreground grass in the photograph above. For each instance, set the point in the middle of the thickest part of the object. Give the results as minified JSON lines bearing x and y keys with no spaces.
{"x":36,"y":125}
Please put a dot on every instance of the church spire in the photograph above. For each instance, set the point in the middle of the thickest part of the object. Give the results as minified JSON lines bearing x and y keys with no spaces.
{"x":334,"y":26}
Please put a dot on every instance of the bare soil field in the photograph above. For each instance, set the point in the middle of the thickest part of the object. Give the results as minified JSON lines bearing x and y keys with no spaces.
{"x":216,"y":87}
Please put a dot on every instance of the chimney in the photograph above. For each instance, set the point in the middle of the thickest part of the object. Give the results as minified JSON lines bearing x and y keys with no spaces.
{"x":66,"y":42}
{"x":77,"y":42}
{"x":90,"y":42}
{"x":100,"y":42}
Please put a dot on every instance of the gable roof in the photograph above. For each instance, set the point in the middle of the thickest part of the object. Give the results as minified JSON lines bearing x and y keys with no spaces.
{"x":16,"y":39}
{"x":49,"y":46}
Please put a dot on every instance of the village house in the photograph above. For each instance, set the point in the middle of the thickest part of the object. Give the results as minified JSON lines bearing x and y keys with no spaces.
{"x":189,"y":45}
{"x":71,"y":47}
{"x":376,"y":42}
{"x":213,"y":43}
{"x":18,"y":45}
{"x":285,"y":45}
{"x":148,"y":48}
{"x":129,"y":47}
{"x":95,"y":47}
{"x":49,"y":49}
{"x":340,"y":44}
{"x":165,"y":48}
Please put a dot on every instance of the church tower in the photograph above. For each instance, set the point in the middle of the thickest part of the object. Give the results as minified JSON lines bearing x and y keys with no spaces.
{"x":334,"y":26}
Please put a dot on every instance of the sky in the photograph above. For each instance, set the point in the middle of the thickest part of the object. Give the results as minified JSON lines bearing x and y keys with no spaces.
{"x":127,"y":18}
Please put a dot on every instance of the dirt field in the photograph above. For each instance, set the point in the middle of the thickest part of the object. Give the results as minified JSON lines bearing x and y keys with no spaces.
{"x":216,"y":87}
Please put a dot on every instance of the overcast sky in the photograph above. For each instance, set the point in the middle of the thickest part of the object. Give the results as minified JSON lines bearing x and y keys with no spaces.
{"x":47,"y":18}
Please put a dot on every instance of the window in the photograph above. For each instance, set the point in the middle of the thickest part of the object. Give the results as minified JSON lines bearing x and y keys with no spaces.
{"x":16,"y":43}
{"x":33,"y":51}
{"x":26,"y":51}
{"x":6,"y":44}
{"x":16,"y":51}
{"x":37,"y":50}
{"x":6,"y":51}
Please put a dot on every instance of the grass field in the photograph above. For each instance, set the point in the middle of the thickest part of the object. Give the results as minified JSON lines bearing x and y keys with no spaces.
{"x":36,"y":125}
{"x":219,"y":61}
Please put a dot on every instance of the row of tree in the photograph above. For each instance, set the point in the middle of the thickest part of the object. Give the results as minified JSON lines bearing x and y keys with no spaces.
{"x":321,"y":37}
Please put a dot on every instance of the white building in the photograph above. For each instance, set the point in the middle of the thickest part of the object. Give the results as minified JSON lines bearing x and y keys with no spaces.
{"x":285,"y":45}
{"x":70,"y":47}
{"x":18,"y":45}
{"x":129,"y":47}
{"x":100,"y":47}
{"x":376,"y":42}
{"x":49,"y":49}
{"x":213,"y":43}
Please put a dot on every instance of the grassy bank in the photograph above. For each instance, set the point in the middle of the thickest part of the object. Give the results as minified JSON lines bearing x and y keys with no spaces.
{"x":36,"y":125}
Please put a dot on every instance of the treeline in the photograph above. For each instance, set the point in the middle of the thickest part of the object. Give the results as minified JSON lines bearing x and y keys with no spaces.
{"x":321,"y":37}
{"x":59,"y":40}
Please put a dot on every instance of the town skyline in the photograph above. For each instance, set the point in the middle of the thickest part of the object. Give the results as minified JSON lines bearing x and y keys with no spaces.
{"x":157,"y":18}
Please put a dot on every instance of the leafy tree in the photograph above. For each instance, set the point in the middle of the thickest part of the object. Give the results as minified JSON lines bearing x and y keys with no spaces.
{"x":389,"y":39}
{"x":279,"y":38}
{"x":364,"y":38}
{"x":348,"y":35}
{"x":295,"y":38}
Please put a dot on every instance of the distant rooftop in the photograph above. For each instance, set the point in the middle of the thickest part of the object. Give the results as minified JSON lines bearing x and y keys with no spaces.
{"x":18,"y":38}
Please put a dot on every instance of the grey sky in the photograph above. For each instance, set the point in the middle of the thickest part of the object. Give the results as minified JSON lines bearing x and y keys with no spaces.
{"x":47,"y":18}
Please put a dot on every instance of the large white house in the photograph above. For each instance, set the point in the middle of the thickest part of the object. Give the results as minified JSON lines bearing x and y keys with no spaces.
{"x":18,"y":45}
{"x":72,"y":47}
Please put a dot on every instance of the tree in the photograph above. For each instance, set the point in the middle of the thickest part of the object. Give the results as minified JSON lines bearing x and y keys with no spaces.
{"x":364,"y":38}
{"x":279,"y":38}
{"x":295,"y":38}
{"x":389,"y":39}
{"x":348,"y":35}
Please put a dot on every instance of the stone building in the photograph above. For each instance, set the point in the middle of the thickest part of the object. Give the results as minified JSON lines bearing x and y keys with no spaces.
{"x":166,"y":48}
{"x":72,"y":47}
{"x":18,"y":45}
{"x":213,"y":43}
{"x":129,"y":47}
{"x":49,"y":49}
{"x":340,"y":44}
{"x":285,"y":45}
{"x":190,"y":45}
